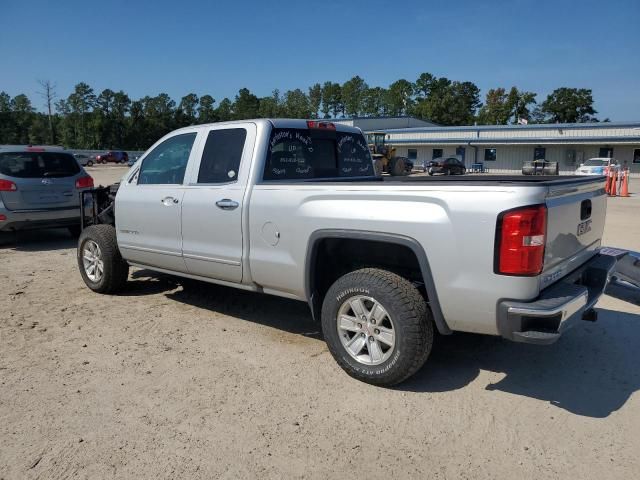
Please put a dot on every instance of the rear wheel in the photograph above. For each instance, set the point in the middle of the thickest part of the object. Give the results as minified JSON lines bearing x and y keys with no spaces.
{"x":90,"y":163}
{"x":397,"y":167}
{"x":101,"y":265}
{"x":377,"y":326}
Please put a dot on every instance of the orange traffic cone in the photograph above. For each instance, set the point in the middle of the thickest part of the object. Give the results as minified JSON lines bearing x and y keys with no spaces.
{"x":607,"y":181}
{"x":624,"y":191}
{"x":614,"y":179}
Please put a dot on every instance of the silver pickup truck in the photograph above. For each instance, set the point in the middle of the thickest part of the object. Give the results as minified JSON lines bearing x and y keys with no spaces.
{"x":294,"y":208}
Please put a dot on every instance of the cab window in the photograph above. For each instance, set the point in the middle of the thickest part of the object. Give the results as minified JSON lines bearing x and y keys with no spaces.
{"x":221,"y":156}
{"x":166,"y":164}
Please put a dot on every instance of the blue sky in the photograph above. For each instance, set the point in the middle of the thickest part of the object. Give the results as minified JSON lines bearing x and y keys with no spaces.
{"x":217,"y":47}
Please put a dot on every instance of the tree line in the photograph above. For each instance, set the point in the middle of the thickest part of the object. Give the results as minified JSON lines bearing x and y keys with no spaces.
{"x":111,"y":119}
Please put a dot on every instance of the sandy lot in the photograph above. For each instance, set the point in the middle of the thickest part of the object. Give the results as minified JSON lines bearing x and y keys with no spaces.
{"x":176,"y":379}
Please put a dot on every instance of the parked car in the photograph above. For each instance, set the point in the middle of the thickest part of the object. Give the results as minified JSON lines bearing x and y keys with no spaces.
{"x":446,"y":166}
{"x":39,"y":188}
{"x":596,"y":166}
{"x":113,"y":156}
{"x":294,"y":208}
{"x":84,"y":159}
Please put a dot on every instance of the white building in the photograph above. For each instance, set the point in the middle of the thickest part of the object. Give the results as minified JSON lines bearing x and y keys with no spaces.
{"x":367,"y":124}
{"x":504,"y":148}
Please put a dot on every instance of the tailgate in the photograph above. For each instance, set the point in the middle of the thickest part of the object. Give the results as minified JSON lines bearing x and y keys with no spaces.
{"x":575,"y":224}
{"x":42,"y":179}
{"x":42,"y":193}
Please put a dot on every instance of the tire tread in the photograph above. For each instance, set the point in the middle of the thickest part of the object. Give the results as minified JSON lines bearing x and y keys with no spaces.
{"x":411,"y":309}
{"x":116,"y":269}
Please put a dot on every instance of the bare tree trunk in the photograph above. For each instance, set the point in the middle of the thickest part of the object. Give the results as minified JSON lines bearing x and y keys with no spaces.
{"x":49,"y":94}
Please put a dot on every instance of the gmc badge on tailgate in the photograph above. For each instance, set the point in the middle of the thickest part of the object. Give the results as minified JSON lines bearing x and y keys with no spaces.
{"x":584,"y":227}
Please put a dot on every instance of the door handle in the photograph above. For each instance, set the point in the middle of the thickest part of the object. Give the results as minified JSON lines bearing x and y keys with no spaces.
{"x":167,"y":201}
{"x":226,"y":204}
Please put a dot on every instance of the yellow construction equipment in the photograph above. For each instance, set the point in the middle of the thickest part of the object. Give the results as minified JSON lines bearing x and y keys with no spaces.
{"x":384,"y":155}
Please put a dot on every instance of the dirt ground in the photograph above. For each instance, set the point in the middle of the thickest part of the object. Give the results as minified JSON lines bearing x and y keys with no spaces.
{"x":176,"y":379}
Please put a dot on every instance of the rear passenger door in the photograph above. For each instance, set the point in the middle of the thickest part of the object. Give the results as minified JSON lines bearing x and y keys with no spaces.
{"x":148,"y":205}
{"x":212,"y":209}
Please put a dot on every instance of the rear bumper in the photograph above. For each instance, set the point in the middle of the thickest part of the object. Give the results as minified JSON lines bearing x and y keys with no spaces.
{"x":542,"y":321}
{"x":41,"y":218}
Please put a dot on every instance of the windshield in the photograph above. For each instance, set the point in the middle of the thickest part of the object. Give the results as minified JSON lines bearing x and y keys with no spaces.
{"x":313,"y":153}
{"x":38,"y":164}
{"x":595,"y":162}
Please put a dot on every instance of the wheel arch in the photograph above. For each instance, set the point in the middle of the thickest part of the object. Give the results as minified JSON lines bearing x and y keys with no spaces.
{"x":313,"y":248}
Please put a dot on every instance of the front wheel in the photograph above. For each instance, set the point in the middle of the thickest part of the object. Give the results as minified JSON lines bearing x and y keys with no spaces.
{"x":378,"y":167}
{"x":377,"y":326}
{"x":102,"y":267}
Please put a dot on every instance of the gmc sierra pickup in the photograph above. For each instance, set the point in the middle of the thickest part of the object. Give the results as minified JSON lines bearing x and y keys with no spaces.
{"x":294,"y":208}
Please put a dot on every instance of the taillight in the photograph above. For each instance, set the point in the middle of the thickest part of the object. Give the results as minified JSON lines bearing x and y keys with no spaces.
{"x":7,"y":186}
{"x":321,"y":125}
{"x":84,"y":182}
{"x":3,"y":218}
{"x":521,"y":235}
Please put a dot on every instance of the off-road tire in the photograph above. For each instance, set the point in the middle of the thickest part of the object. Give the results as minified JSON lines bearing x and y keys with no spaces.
{"x":397,"y":167}
{"x":378,"y":167}
{"x":412,"y":321}
{"x":116,"y":270}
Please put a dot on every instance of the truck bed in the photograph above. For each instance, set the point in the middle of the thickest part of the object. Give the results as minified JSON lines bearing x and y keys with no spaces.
{"x":545,"y":180}
{"x":480,"y":180}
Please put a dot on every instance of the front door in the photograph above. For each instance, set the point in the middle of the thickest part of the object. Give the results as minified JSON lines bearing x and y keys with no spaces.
{"x":212,"y":209}
{"x":148,"y":206}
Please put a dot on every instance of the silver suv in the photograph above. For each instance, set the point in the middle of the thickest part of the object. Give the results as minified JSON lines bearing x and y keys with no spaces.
{"x":39,"y":188}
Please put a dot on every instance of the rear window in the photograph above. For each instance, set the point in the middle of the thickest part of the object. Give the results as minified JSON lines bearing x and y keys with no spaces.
{"x":38,"y":164}
{"x":596,"y":162}
{"x":298,"y":154}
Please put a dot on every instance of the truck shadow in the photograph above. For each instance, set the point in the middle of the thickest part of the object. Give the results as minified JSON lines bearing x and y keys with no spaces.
{"x":37,"y":240}
{"x":287,"y":315}
{"x":592,"y":371}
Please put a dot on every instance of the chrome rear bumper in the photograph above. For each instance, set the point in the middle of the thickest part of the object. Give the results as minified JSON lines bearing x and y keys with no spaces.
{"x":543,"y":320}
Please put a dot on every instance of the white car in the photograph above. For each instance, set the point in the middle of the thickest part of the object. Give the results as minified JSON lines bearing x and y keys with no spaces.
{"x":596,"y":166}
